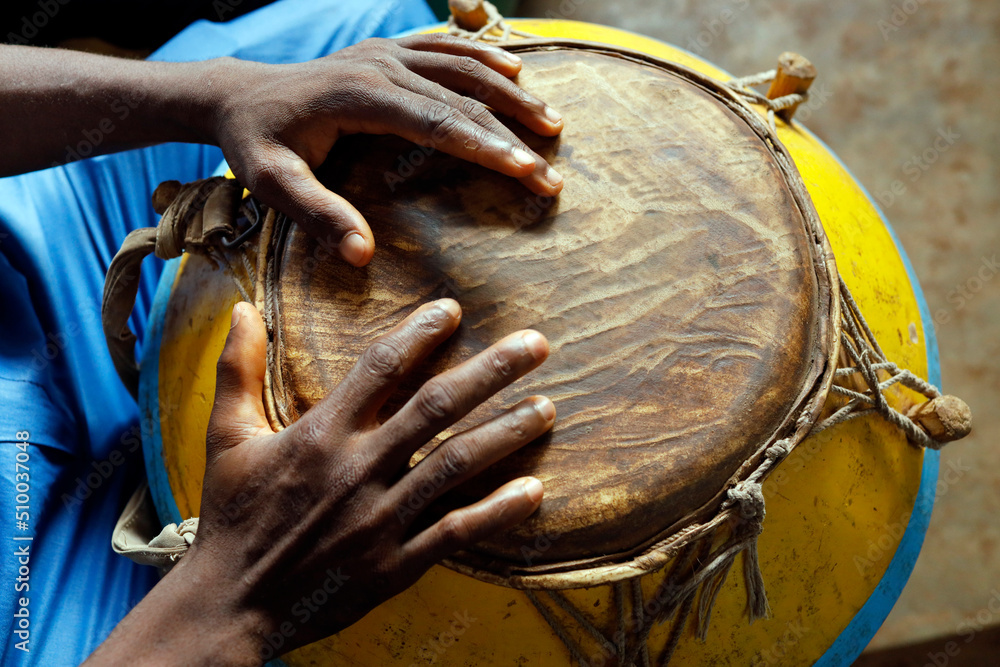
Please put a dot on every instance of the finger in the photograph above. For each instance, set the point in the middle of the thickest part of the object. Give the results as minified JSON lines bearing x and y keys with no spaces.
{"x":238,"y":411}
{"x":466,"y":454}
{"x":435,"y":123}
{"x":544,"y":180}
{"x":509,"y":505}
{"x":493,"y":57}
{"x":448,"y":397}
{"x":381,"y":367}
{"x":468,"y":76}
{"x":282,"y":180}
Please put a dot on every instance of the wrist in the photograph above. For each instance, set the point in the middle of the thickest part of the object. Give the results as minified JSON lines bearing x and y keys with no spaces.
{"x":230,"y":630}
{"x":194,"y":98}
{"x":196,"y":615}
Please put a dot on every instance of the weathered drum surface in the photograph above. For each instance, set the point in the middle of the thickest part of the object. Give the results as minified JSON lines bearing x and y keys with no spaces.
{"x":674,"y":277}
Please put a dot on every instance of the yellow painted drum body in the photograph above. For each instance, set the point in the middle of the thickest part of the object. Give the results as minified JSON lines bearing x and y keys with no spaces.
{"x":846,"y":511}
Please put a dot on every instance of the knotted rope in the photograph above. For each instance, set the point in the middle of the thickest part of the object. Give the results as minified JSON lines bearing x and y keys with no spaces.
{"x":486,"y":33}
{"x":743,"y":86}
{"x":862,"y":348}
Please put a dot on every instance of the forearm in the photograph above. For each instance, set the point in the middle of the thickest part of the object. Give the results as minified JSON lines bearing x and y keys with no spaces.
{"x":58,"y":106}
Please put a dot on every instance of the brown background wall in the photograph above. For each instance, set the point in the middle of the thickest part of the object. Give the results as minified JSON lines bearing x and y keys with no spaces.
{"x":896,"y":76}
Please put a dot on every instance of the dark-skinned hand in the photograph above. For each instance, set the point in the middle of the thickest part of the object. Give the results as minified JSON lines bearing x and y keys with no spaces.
{"x":316,"y":507}
{"x":280,"y":122}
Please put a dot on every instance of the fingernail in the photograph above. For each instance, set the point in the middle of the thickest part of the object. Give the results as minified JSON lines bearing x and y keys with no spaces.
{"x":511,"y":57}
{"x":523,"y":157}
{"x":535,"y":344}
{"x":354,"y":248}
{"x":554,"y":117}
{"x":545,"y":408}
{"x":451,"y":307}
{"x":533,"y":489}
{"x":553,"y":177}
{"x":237,"y":315}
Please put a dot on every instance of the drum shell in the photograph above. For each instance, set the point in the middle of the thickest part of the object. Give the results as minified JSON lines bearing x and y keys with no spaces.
{"x":822,"y":551}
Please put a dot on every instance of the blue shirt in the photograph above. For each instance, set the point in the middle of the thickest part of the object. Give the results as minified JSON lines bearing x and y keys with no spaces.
{"x":62,"y":589}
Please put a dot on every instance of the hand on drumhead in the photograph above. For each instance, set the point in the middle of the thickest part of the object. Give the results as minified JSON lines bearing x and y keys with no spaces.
{"x":327,"y":504}
{"x":276,"y":124}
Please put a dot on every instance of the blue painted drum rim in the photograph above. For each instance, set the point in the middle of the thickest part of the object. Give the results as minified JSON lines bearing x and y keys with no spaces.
{"x":862,"y":628}
{"x":149,"y":402}
{"x":845,"y":648}
{"x":149,"y":398}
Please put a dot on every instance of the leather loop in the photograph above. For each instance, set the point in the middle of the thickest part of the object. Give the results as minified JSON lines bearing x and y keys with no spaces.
{"x":136,"y":537}
{"x":199,"y":216}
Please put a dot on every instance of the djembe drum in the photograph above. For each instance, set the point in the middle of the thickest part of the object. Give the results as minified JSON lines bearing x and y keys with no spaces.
{"x":708,"y":354}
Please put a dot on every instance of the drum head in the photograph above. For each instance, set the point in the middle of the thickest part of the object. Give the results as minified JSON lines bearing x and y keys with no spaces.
{"x":678,"y":278}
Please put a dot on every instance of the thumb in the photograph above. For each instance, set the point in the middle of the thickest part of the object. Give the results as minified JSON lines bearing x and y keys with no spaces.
{"x":238,"y":412}
{"x":288,"y":184}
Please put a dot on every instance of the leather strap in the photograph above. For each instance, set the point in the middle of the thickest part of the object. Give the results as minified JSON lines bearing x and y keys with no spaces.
{"x":197,"y":217}
{"x":136,"y":535}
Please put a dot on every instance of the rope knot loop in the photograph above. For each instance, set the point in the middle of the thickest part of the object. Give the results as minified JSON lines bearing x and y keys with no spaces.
{"x":750,"y":498}
{"x":779,"y":450}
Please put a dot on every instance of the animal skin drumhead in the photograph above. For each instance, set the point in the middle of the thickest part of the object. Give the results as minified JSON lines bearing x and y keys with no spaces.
{"x":675,"y":278}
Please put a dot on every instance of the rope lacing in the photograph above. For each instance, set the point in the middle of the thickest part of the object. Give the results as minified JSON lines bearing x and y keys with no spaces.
{"x":486,"y":33}
{"x":743,"y":86}
{"x":860,"y":344}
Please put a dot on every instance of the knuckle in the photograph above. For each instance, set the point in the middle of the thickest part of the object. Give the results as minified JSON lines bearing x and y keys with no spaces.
{"x":430,"y":322}
{"x":517,"y":429}
{"x":217,"y":437}
{"x":527,"y":99}
{"x":442,"y":120}
{"x":310,"y":433}
{"x":498,"y":364}
{"x":373,"y":46}
{"x":265,"y":175}
{"x":383,"y":359}
{"x":469,"y":65}
{"x":436,"y":400}
{"x":225,"y":367}
{"x":457,"y":459}
{"x":477,"y":111}
{"x":386,"y":65}
{"x":455,"y":531}
{"x":366,"y":85}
